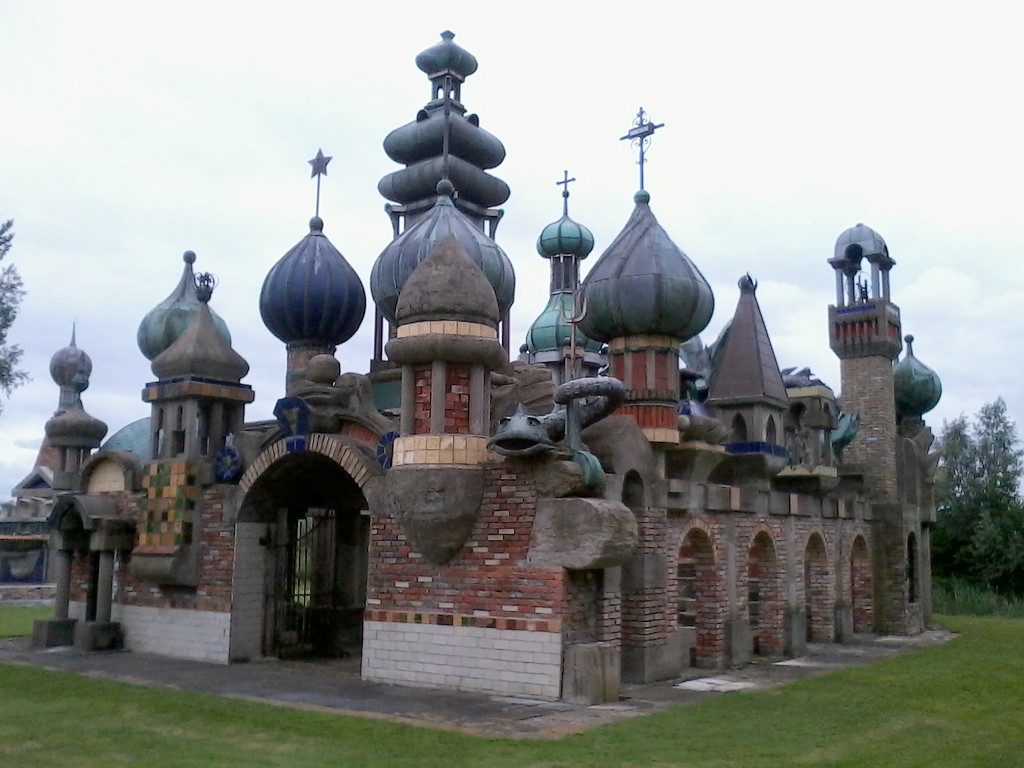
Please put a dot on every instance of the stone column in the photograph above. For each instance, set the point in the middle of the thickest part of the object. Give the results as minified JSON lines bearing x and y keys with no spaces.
{"x":63,"y":578}
{"x":105,"y":586}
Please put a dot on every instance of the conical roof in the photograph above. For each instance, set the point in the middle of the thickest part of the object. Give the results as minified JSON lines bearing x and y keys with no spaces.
{"x":404,"y":254}
{"x":644,"y":284}
{"x":447,"y":285}
{"x":169,"y":319}
{"x":312,"y":294}
{"x":917,"y":388}
{"x":746,"y":369}
{"x":201,"y":352}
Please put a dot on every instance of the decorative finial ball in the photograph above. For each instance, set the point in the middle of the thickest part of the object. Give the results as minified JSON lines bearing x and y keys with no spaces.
{"x":445,"y":188}
{"x":643,"y":197}
{"x":323,"y":369}
{"x":909,"y":338}
{"x":205,"y":283}
{"x":747,"y":284}
{"x":316,"y":224}
{"x":189,"y":257}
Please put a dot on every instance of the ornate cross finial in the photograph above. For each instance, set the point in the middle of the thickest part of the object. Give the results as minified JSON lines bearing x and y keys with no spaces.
{"x":564,"y":184}
{"x":640,"y":137}
{"x":319,"y":165}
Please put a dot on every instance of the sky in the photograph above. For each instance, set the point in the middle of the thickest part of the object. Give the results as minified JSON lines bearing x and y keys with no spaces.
{"x":131,"y":132}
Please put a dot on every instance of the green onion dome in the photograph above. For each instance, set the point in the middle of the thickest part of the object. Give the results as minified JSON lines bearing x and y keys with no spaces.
{"x":551,"y":331}
{"x":644,"y":284}
{"x":565,"y":238}
{"x":916,"y":386}
{"x":169,"y":319}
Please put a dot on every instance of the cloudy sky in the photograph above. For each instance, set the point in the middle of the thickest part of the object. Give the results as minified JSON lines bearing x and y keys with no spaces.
{"x":131,"y":132}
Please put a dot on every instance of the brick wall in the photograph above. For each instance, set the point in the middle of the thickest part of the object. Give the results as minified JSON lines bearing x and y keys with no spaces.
{"x":456,"y":399}
{"x":868,"y":390}
{"x":421,"y":399}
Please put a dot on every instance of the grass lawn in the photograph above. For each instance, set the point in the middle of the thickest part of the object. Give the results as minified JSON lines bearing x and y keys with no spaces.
{"x":959,"y":704}
{"x":16,"y":620}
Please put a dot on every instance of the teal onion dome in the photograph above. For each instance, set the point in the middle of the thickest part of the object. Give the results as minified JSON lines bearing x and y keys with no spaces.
{"x":551,"y":331}
{"x":169,"y":319}
{"x":917,"y":387}
{"x":644,"y":284}
{"x":401,"y":257}
{"x":312,"y":295}
{"x":565,"y":238}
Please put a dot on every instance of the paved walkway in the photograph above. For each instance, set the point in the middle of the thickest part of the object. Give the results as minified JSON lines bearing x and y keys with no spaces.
{"x":334,"y":686}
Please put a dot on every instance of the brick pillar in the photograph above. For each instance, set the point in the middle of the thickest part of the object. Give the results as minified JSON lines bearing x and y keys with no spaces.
{"x":649,"y":367}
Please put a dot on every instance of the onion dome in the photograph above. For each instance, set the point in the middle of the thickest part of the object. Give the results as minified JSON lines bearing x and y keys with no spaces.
{"x":858,"y":242}
{"x":74,"y":427}
{"x":419,"y":145}
{"x":201,"y":351}
{"x":644,"y":284}
{"x":69,"y":362}
{"x":313,"y":295}
{"x":447,"y":57}
{"x":916,"y":386}
{"x":447,"y":285}
{"x":169,"y":319}
{"x":405,"y":253}
{"x":551,"y":331}
{"x":565,"y":238}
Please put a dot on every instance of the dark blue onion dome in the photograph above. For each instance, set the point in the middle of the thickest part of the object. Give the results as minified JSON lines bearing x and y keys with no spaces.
{"x":419,"y":145}
{"x":644,"y":284}
{"x":200,"y":351}
{"x":916,"y":386}
{"x":313,"y":295}
{"x":69,"y":362}
{"x":169,"y":319}
{"x":398,"y":261}
{"x":858,"y":242}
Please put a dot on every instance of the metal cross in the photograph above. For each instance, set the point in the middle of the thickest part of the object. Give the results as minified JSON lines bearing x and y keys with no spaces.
{"x":640,"y":137}
{"x":319,"y":165}
{"x":564,"y":183}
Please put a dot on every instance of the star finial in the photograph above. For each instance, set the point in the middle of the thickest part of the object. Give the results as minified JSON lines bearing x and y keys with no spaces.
{"x":640,"y":137}
{"x":319,"y":164}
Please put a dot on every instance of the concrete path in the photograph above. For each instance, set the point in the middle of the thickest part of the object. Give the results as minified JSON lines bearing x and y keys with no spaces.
{"x":334,"y":686}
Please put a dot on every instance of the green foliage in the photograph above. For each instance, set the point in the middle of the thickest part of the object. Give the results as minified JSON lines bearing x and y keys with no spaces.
{"x":11,"y":293}
{"x":979,"y":534}
{"x":959,"y":597}
{"x":947,"y":705}
{"x":16,"y":620}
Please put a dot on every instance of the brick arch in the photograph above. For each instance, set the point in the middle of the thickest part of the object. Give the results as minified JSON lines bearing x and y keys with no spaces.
{"x":765,"y":598}
{"x":819,"y":594}
{"x":860,"y":583}
{"x":700,"y":593}
{"x":358,"y":466}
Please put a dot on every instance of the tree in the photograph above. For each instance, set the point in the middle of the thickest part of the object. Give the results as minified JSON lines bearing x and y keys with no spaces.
{"x":11,"y":293}
{"x":979,"y":531}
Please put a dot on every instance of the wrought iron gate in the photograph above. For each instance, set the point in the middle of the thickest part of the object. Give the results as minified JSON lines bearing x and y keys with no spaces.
{"x":303,"y":598}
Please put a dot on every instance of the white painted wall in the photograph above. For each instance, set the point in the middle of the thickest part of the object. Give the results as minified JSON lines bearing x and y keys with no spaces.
{"x":183,"y":634}
{"x":248,"y":586}
{"x":508,"y":662}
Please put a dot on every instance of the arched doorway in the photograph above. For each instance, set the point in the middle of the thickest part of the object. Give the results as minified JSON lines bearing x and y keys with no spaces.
{"x":315,"y":537}
{"x":764,"y":596}
{"x":860,"y":586}
{"x":820,"y":606}
{"x":698,"y":597}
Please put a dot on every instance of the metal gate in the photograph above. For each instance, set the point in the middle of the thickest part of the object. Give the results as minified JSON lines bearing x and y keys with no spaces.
{"x":303,"y":598}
